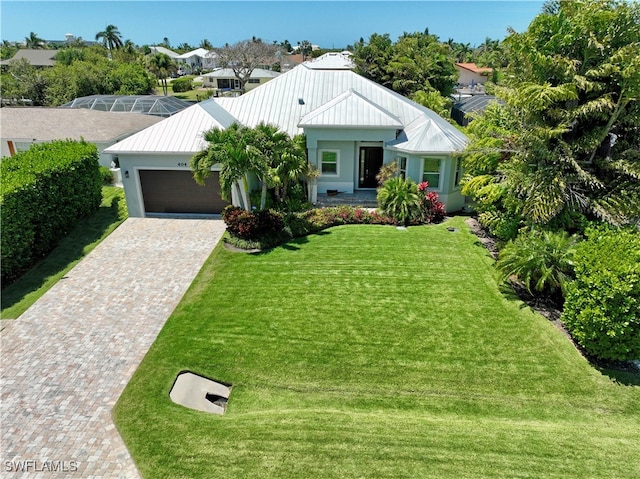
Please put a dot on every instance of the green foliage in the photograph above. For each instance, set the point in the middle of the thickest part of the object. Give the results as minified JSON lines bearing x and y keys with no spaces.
{"x":387,"y":171}
{"x":180,"y":85}
{"x":106,"y":175}
{"x":399,"y":198}
{"x":44,"y":191}
{"x":602,"y":307}
{"x":543,"y":261}
{"x":435,"y":101}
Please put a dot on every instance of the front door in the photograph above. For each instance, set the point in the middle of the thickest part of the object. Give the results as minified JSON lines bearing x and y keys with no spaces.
{"x":370,"y":163}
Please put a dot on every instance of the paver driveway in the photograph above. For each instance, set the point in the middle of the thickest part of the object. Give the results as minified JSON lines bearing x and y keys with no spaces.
{"x":66,"y":360}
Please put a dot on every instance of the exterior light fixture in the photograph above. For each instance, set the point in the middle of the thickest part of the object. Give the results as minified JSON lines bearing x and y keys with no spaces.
{"x":126,"y":174}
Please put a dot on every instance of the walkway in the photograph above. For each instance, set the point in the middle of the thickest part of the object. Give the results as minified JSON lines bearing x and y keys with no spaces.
{"x":67,"y":359}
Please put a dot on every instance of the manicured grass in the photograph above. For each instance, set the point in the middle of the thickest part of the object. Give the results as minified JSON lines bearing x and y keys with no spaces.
{"x":367,"y":351}
{"x":85,"y":236}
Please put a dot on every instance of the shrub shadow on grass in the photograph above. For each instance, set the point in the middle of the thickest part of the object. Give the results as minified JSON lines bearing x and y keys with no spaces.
{"x":72,"y":248}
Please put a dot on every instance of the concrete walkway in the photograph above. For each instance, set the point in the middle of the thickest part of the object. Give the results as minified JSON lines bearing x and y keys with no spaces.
{"x":66,"y":360}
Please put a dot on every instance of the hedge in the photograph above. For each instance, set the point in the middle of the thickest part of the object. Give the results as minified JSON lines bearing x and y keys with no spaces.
{"x":44,"y":191}
{"x":182,"y":84}
{"x":602,"y":305}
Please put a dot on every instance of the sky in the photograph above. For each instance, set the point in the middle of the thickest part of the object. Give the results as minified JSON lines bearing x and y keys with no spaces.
{"x":329,"y":24}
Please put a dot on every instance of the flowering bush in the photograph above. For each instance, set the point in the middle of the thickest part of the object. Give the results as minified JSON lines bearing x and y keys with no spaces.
{"x":433,"y":208}
{"x":254,"y":225}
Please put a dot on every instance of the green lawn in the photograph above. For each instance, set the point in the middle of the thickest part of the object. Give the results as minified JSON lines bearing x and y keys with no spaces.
{"x":368,"y":351}
{"x":85,"y":236}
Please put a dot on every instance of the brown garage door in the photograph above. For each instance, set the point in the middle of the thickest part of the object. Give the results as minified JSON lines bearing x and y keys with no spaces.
{"x":175,"y":191}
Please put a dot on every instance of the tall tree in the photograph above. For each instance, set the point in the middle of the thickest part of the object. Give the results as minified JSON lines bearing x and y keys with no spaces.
{"x":33,"y":41}
{"x":206,"y":44}
{"x":110,"y":38}
{"x":567,"y":141}
{"x":305,"y":48}
{"x":162,"y":66}
{"x":245,"y":56}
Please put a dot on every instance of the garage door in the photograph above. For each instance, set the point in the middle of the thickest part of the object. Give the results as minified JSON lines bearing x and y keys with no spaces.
{"x":175,"y":191}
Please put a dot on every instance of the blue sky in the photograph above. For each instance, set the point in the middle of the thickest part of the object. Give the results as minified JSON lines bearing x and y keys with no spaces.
{"x":330,"y":24}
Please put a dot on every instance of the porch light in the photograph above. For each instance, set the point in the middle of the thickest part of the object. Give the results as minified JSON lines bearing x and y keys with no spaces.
{"x":126,"y":174}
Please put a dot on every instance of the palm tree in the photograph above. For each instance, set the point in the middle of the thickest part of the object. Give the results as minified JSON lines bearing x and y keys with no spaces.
{"x":110,"y":38}
{"x":206,"y":44}
{"x":162,"y":66}
{"x":34,"y":41}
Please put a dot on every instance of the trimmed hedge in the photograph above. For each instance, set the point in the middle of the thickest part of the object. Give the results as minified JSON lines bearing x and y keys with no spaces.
{"x":602,"y":305}
{"x":181,"y":85}
{"x":44,"y":191}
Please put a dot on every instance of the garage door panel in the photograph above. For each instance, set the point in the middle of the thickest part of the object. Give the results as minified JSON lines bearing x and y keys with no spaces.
{"x":175,"y":191}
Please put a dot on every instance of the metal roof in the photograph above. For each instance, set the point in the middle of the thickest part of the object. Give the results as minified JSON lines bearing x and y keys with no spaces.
{"x":180,"y":133}
{"x":48,"y":124}
{"x":166,"y":51}
{"x":429,"y":135}
{"x":37,"y":58}
{"x":350,"y":110}
{"x":148,"y":104}
{"x":200,"y":52}
{"x":332,"y":61}
{"x":228,"y":73}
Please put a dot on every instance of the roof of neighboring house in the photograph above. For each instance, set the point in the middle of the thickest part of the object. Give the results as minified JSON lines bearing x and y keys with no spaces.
{"x":37,"y":58}
{"x":311,"y":98}
{"x":476,"y":103}
{"x":200,"y":52}
{"x":48,"y":124}
{"x":181,"y":133}
{"x":228,"y":73}
{"x":164,"y":50}
{"x":472,"y":67}
{"x":332,"y":61}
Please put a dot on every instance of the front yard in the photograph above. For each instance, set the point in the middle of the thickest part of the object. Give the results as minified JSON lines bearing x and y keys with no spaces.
{"x":368,"y":351}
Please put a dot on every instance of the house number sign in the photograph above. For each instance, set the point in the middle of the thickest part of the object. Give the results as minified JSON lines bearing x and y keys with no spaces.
{"x":182,"y":164}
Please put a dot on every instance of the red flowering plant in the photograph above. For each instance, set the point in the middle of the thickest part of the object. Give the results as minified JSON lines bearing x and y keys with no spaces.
{"x":433,"y":208}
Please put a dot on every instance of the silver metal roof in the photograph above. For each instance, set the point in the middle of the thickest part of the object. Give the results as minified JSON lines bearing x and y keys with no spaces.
{"x":228,"y":73}
{"x":181,"y":133}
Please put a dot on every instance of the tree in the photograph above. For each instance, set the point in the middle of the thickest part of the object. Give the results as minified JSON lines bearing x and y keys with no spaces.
{"x":34,"y":41}
{"x":245,"y":56}
{"x":206,"y":44}
{"x":110,"y":38}
{"x":570,"y":144}
{"x":162,"y":66}
{"x":305,"y":48}
{"x":23,"y":81}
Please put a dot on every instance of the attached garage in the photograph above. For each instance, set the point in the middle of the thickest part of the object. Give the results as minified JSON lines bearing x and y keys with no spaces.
{"x":175,"y":191}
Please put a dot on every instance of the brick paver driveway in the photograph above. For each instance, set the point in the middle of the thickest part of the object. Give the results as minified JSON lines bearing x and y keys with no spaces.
{"x":67,"y":359}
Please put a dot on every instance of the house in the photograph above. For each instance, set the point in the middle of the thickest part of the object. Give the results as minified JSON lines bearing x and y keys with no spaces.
{"x":37,"y":58}
{"x":463,"y":107}
{"x":352,"y":125}
{"x":193,"y":60}
{"x":469,"y":74}
{"x":224,"y":80}
{"x":21,"y":127}
{"x":157,"y":49}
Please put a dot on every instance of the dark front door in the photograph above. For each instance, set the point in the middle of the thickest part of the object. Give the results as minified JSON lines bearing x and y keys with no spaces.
{"x":370,"y":163}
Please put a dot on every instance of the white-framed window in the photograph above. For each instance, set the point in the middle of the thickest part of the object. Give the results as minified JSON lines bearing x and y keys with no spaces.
{"x":431,"y":172}
{"x":329,"y":162}
{"x":402,"y":167}
{"x":457,"y":176}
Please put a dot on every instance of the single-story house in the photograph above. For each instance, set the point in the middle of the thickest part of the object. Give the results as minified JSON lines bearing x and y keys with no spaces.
{"x":21,"y":127}
{"x":35,"y":57}
{"x":224,"y":80}
{"x":470,"y":74}
{"x":352,"y":125}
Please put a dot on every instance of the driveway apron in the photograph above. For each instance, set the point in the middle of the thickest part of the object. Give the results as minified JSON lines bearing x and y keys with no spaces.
{"x":67,"y":359}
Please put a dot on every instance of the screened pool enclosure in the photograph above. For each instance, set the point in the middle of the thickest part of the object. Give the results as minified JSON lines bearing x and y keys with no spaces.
{"x":163,"y":106}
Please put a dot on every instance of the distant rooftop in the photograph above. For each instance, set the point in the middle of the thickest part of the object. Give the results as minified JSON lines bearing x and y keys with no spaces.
{"x":156,"y":105}
{"x":37,"y":58}
{"x":332,"y":61}
{"x":472,"y":67}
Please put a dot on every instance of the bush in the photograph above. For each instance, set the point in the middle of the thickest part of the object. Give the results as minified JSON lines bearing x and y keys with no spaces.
{"x":107,"y":175}
{"x":602,"y":307}
{"x":252,"y":225}
{"x":399,"y":199}
{"x":543,"y":261}
{"x":432,"y":207}
{"x":181,"y":85}
{"x":44,"y":191}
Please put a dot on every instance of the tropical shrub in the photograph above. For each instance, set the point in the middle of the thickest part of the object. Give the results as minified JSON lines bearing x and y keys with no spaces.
{"x":432,"y":208}
{"x":602,"y":307}
{"x":180,"y":85}
{"x":542,"y":261}
{"x":252,"y":225}
{"x":44,"y":191}
{"x":399,"y":198}
{"x":107,"y":175}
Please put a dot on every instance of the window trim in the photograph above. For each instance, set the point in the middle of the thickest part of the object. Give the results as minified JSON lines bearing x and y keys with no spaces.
{"x":440,"y":170}
{"x":320,"y":160}
{"x":457,"y":173}
{"x":402,"y":172}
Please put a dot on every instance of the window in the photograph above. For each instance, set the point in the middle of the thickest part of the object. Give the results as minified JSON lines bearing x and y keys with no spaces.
{"x":329,"y":162}
{"x":402,"y":167}
{"x":458,"y":173}
{"x":254,"y":80}
{"x":431,"y":172}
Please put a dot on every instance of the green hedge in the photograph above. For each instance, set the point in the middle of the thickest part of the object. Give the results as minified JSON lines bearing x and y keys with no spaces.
{"x":602,"y":305}
{"x":182,"y":84}
{"x":44,"y":191}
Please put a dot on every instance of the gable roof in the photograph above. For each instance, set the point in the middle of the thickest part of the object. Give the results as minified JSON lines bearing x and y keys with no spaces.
{"x":200,"y":52}
{"x":472,"y":67}
{"x":37,"y":58}
{"x":228,"y":73}
{"x":180,"y":133}
{"x":332,"y":61}
{"x":48,"y":124}
{"x":166,"y":51}
{"x":350,"y":110}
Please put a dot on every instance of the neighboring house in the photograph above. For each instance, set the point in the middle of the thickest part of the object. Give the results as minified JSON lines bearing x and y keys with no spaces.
{"x":193,"y":60}
{"x":21,"y":127}
{"x":288,"y":61}
{"x":469,"y":74}
{"x":353,"y":126}
{"x":37,"y":58}
{"x":224,"y":80}
{"x":166,"y":51}
{"x":333,"y":61}
{"x":462,"y":108}
{"x":210,"y":61}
